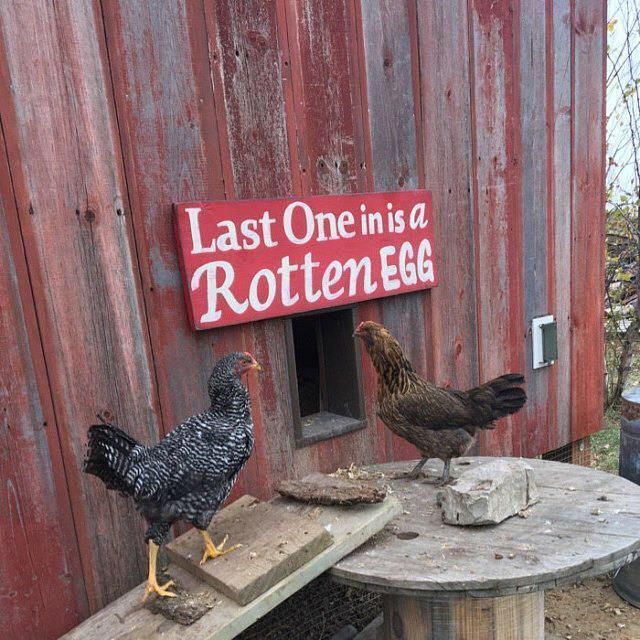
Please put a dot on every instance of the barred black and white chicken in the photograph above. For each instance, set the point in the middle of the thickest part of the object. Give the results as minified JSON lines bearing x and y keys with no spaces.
{"x":190,"y":473}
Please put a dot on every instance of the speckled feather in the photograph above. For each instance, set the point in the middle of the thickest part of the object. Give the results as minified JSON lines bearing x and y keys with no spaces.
{"x":441,"y":423}
{"x":190,"y":473}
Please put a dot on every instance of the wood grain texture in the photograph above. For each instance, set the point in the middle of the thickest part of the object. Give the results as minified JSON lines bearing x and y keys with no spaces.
{"x":587,"y":256}
{"x":125,"y":619}
{"x":536,"y":252}
{"x":517,"y":616}
{"x":43,"y":592}
{"x":537,"y":552}
{"x":561,"y":189}
{"x":275,"y":543}
{"x":66,"y":171}
{"x":171,"y":148}
{"x":389,"y":100}
{"x":446,"y":125}
{"x":498,"y":206}
{"x":318,"y":488}
{"x":390,"y":125}
{"x":247,"y":52}
{"x":171,"y":152}
{"x":322,"y":43}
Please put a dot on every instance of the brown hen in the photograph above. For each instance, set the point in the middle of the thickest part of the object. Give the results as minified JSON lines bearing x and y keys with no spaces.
{"x":441,"y":423}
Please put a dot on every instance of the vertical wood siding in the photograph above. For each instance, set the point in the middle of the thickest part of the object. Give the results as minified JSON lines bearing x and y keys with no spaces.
{"x":498,"y":208}
{"x":112,"y":111}
{"x":392,"y":159}
{"x":560,"y":163}
{"x":42,"y":589}
{"x":537,"y":249}
{"x":65,"y":166}
{"x":587,"y":223}
{"x":561,"y":171}
{"x":247,"y":53}
{"x":445,"y":83}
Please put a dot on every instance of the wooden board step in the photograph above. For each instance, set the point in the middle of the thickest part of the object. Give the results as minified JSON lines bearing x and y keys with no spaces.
{"x":274,"y":543}
{"x":128,"y":619}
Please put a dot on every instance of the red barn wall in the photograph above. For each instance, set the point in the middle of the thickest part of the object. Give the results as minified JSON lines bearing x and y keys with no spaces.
{"x":113,"y":110}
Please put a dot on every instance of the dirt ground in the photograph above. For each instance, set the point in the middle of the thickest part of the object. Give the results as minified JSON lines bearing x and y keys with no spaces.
{"x":591,"y":610}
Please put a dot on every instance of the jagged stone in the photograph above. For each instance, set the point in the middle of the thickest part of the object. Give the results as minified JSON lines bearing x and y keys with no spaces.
{"x":489,"y":493}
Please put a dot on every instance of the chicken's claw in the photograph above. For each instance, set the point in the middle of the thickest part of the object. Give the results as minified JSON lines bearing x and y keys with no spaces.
{"x":437,"y":482}
{"x":210,"y":549}
{"x":152,"y":580}
{"x":161,"y":590}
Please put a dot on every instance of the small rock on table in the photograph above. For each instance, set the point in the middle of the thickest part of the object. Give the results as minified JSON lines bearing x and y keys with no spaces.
{"x":488,"y":494}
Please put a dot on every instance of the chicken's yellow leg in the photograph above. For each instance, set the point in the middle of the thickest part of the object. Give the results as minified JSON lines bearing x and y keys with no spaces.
{"x":210,"y":549}
{"x":152,"y":582}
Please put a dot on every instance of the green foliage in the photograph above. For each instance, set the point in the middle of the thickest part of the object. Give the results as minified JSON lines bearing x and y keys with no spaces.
{"x":605,"y":445}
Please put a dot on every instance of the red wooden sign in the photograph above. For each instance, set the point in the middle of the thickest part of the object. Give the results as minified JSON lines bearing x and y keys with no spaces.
{"x":253,"y":259}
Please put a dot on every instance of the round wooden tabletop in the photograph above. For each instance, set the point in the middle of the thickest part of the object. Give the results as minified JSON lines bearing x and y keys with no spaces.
{"x":586,"y":523}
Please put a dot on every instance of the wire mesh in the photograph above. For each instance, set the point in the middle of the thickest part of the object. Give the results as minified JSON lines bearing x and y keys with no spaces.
{"x":578,"y":452}
{"x":316,"y":612}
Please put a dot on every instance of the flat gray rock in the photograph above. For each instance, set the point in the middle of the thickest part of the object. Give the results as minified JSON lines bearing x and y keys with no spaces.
{"x":489,"y":494}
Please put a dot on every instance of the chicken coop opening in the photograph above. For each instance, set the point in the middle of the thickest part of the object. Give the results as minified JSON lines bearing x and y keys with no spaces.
{"x":324,"y":375}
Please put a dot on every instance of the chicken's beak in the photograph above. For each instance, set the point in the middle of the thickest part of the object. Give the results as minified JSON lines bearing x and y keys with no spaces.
{"x":256,"y":366}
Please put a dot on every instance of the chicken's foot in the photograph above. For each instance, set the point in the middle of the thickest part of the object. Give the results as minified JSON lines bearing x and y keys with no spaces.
{"x":152,"y":582}
{"x":445,"y":478}
{"x":414,"y":474}
{"x":210,"y":549}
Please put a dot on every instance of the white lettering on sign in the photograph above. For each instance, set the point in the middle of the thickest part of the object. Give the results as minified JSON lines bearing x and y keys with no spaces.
{"x":277,"y":257}
{"x":215,"y":289}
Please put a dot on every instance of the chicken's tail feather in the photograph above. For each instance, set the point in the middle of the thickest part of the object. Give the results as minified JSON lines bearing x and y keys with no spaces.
{"x":504,"y":395}
{"x":109,"y":456}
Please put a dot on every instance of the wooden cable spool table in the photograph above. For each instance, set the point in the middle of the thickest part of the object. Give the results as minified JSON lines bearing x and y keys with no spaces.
{"x":487,"y":583}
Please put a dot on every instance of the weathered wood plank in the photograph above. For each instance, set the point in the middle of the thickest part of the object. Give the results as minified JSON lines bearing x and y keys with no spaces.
{"x":126,"y":618}
{"x":535,"y":236}
{"x":70,"y":194}
{"x":516,"y":616}
{"x":450,"y":311}
{"x":498,"y":206}
{"x":519,"y":555}
{"x":561,"y":186}
{"x":322,"y":39}
{"x":248,"y":68}
{"x":387,"y":70}
{"x":587,"y":258}
{"x":43,"y":590}
{"x":248,"y":63}
{"x":389,"y":100}
{"x":171,"y":151}
{"x":275,"y":543}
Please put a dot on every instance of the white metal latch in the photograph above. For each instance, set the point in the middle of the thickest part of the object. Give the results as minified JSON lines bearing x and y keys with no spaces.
{"x":544,"y":338}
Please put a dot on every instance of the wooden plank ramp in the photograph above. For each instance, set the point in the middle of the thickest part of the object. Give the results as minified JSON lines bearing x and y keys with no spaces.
{"x":274,"y":544}
{"x":127,"y":618}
